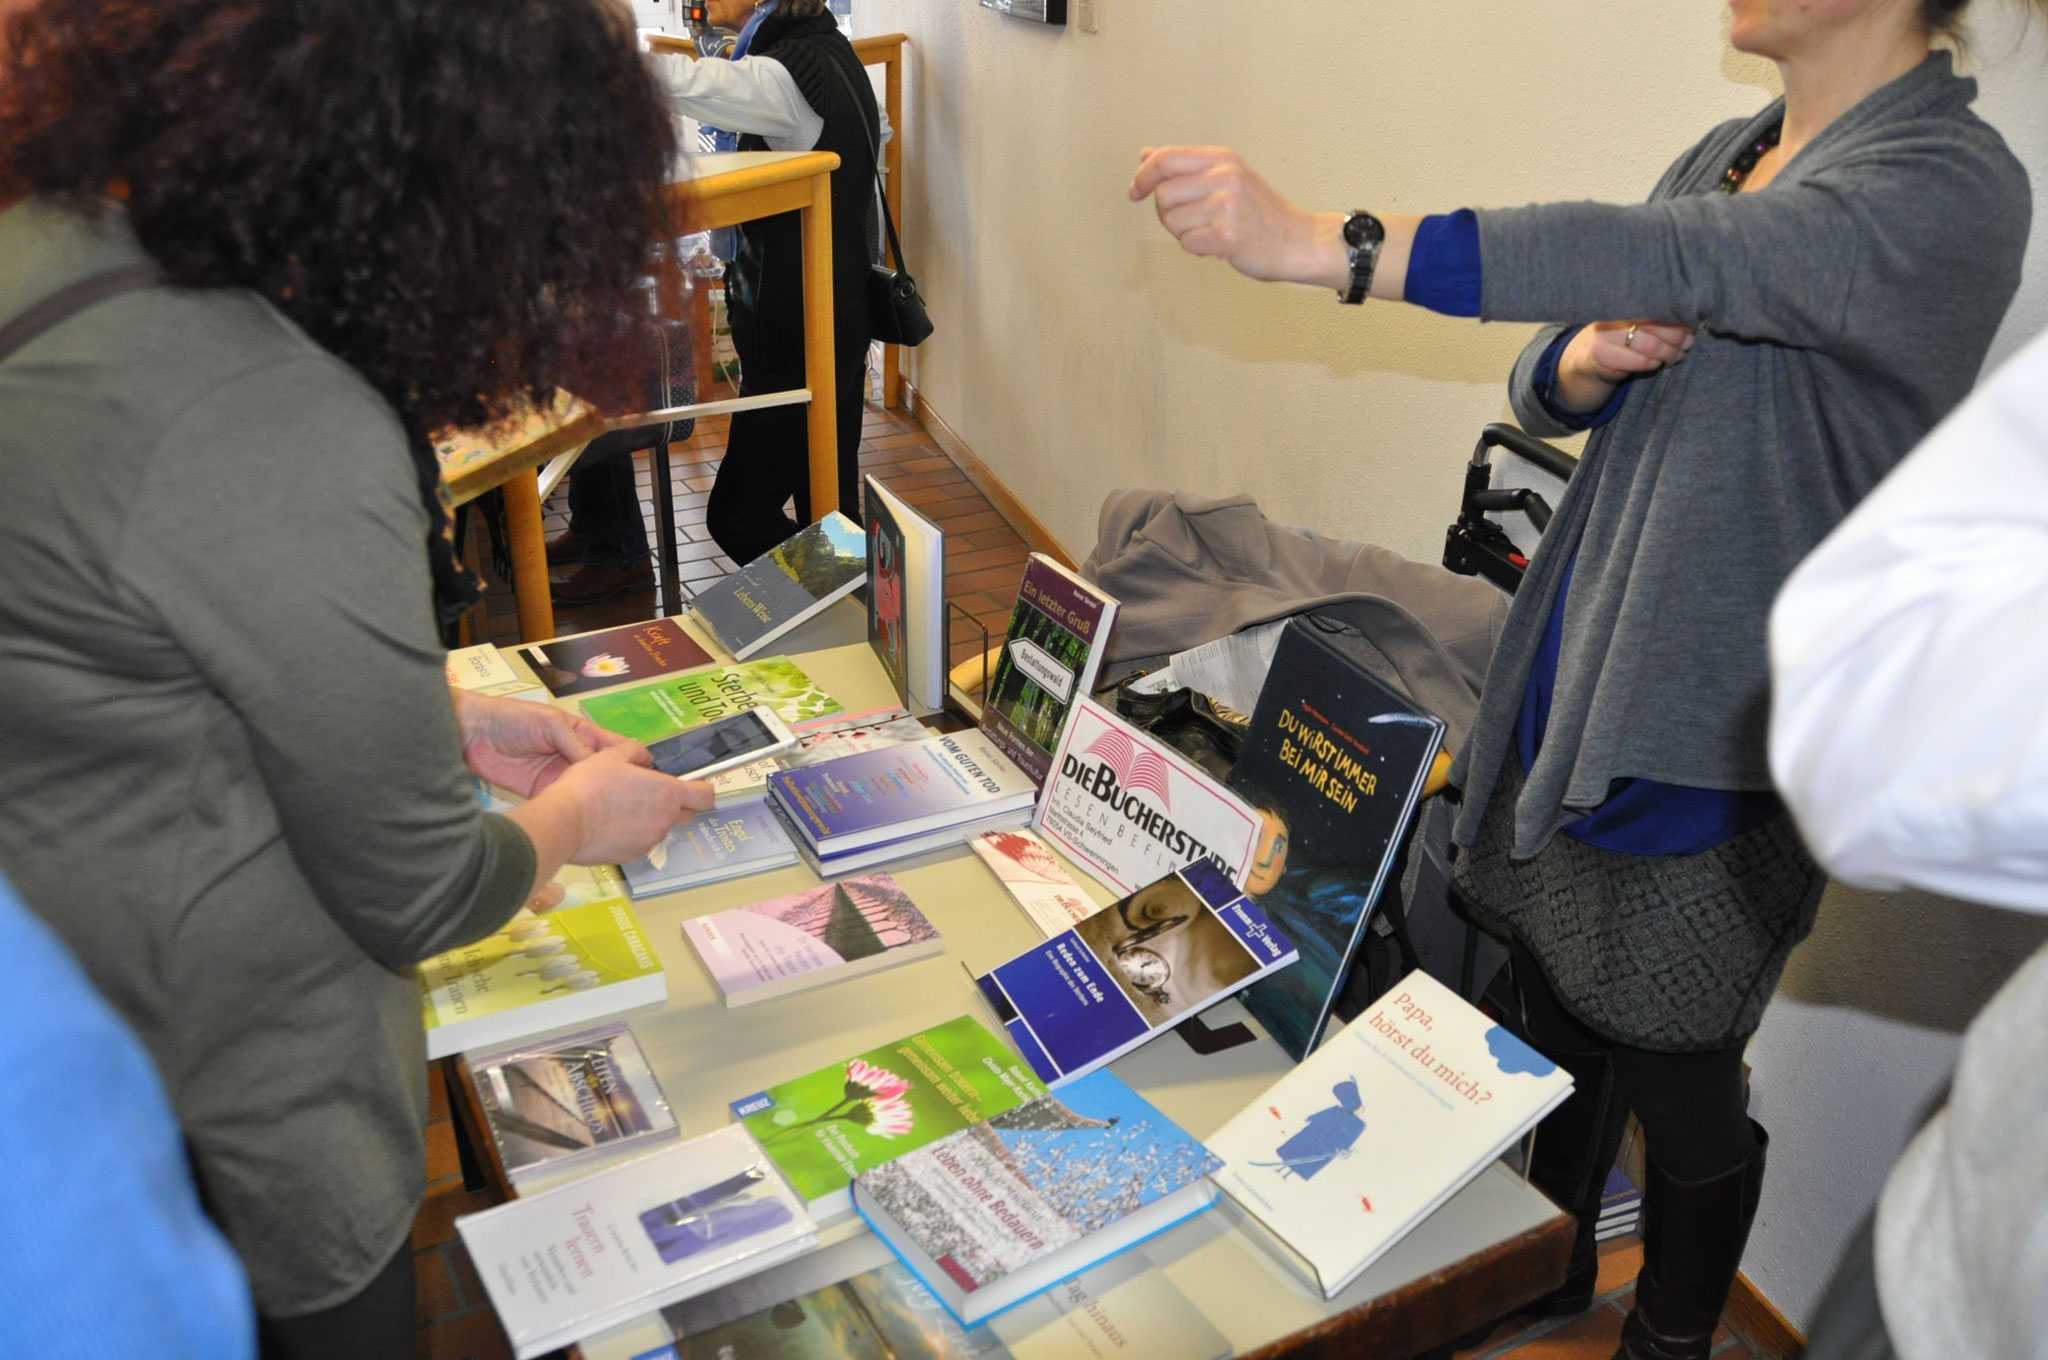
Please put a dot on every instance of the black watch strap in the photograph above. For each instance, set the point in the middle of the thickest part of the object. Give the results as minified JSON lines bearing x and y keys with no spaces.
{"x":1363,"y":235}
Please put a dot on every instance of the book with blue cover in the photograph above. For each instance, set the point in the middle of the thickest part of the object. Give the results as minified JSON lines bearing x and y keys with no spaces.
{"x":1334,"y":761}
{"x":712,"y":846}
{"x":1007,"y":1208}
{"x":785,"y":585}
{"x":900,"y":791}
{"x":1132,"y":970}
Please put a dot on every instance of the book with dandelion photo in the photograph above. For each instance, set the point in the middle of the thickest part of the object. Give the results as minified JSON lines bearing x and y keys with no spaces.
{"x":810,"y":937}
{"x":585,"y":959}
{"x":1006,"y":1209}
{"x":824,"y":1128}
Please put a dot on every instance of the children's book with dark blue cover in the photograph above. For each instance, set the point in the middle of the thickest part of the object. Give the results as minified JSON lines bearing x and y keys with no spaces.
{"x":872,"y":797}
{"x":1334,"y":762}
{"x":1132,"y":970}
{"x":1006,"y":1208}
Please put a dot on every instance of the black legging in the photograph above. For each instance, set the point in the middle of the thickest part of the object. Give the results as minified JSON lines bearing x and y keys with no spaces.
{"x":380,"y":1323}
{"x":767,"y":463}
{"x":1692,"y":1106}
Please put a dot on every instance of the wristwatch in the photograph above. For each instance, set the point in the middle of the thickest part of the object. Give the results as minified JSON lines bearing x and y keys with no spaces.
{"x":1363,"y":234}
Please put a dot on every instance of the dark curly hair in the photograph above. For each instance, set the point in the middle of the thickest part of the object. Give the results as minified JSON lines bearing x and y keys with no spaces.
{"x":433,"y":191}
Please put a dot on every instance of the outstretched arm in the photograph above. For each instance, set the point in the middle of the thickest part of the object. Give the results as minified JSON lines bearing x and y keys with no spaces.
{"x":1214,"y":204}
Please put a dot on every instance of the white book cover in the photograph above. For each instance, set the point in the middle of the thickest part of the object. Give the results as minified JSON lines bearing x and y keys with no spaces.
{"x":1033,"y":875}
{"x":1129,"y":809}
{"x":576,"y":1259}
{"x":483,"y":669}
{"x":1341,"y":1157}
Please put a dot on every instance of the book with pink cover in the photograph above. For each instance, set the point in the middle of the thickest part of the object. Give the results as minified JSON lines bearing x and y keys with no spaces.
{"x":806,"y":939}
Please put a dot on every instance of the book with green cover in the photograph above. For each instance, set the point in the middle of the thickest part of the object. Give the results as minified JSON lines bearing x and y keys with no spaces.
{"x":652,"y":712}
{"x":826,"y":1127}
{"x":583,"y":961}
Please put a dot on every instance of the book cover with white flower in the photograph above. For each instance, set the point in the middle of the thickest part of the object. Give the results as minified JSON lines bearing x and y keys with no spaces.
{"x":824,"y":1128}
{"x":614,"y":656}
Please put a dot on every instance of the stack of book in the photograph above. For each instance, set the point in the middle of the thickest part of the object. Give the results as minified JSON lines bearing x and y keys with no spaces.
{"x":857,"y":811}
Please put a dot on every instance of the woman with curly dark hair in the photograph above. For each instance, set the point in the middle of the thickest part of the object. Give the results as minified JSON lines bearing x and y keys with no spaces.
{"x":252,"y":252}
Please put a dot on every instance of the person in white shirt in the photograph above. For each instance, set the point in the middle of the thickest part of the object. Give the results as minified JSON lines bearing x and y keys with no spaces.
{"x":1909,"y":735}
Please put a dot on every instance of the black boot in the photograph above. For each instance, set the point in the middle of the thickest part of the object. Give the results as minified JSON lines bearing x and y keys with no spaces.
{"x":1575,"y":1146}
{"x":1693,"y":1236}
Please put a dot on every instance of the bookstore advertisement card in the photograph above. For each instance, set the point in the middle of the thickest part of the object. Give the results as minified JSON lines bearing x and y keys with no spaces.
{"x":1129,"y":809}
{"x":1131,"y":970}
{"x":1341,"y":1157}
{"x":591,"y":1253}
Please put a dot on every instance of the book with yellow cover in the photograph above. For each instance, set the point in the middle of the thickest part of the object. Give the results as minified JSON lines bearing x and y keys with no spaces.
{"x":583,"y":961}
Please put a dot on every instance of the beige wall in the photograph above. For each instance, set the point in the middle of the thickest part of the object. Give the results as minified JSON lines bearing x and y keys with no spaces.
{"x":1079,"y":351}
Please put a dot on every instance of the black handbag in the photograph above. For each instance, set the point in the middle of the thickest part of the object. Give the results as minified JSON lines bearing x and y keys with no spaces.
{"x":896,"y":311}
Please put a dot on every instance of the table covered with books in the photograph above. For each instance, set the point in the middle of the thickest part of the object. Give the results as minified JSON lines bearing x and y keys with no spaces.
{"x":906,"y":1037}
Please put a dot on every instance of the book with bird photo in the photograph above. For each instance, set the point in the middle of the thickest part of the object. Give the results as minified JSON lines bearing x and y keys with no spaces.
{"x":823,"y":1128}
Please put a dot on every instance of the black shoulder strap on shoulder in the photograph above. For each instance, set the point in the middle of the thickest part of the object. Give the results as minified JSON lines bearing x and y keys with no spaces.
{"x":875,"y":159}
{"x":68,"y":302}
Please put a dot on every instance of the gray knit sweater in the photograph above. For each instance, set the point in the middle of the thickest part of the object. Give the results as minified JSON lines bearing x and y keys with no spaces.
{"x":1842,"y":310}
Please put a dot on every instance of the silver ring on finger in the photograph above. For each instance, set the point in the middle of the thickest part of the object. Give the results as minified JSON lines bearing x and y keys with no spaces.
{"x":1629,"y":341}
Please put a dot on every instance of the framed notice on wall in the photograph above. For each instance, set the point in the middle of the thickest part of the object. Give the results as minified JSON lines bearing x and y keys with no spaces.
{"x":1040,"y":11}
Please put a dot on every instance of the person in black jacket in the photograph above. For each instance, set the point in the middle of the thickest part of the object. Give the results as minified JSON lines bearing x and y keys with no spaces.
{"x":792,"y":83}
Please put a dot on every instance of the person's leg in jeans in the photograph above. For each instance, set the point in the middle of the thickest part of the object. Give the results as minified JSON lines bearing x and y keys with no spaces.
{"x":605,"y":522}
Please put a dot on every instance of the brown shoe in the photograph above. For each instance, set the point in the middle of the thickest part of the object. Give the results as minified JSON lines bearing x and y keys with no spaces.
{"x":565,"y":549}
{"x":590,"y":582}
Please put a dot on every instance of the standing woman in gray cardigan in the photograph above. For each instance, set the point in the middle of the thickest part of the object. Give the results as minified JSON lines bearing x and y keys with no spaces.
{"x":1831,"y":272}
{"x":251,"y":256}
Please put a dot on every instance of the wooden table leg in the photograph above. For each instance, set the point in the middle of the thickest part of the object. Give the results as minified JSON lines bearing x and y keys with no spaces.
{"x":527,"y":547}
{"x":818,"y":375}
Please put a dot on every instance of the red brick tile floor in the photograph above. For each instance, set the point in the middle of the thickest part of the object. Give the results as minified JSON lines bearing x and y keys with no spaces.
{"x":984,"y":562}
{"x":1595,"y":1334}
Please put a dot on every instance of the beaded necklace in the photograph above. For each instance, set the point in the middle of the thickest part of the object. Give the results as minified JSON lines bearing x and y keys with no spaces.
{"x":1745,"y":161}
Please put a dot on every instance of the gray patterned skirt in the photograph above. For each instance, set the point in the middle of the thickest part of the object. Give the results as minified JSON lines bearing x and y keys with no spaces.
{"x":1672,"y":953}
